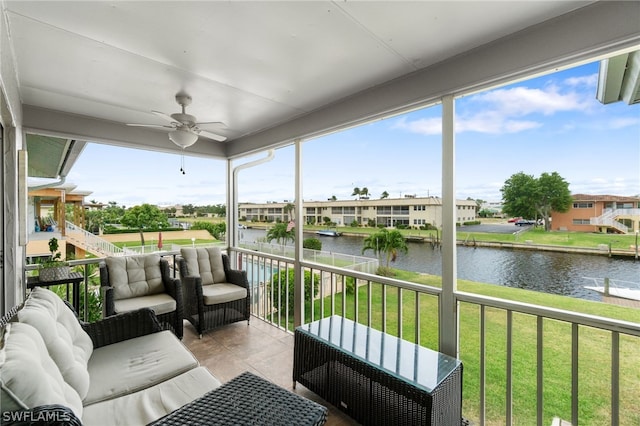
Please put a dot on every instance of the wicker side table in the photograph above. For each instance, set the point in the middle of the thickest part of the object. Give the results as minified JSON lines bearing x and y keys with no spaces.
{"x":376,"y":378}
{"x":248,"y":400}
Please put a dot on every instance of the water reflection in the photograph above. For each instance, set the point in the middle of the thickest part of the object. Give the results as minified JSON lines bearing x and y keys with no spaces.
{"x":549,"y":272}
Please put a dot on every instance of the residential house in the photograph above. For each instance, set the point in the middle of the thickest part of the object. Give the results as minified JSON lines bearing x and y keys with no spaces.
{"x":599,"y":213}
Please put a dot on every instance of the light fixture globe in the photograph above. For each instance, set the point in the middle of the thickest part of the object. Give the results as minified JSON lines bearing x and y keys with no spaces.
{"x":183,"y":138}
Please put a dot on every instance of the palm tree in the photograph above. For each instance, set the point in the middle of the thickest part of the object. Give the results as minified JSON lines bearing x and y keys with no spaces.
{"x":364,"y":192}
{"x":388,"y":242}
{"x":356,"y":191}
{"x":373,"y":242}
{"x":279,"y":233}
{"x":384,"y":195}
{"x":288,"y":210}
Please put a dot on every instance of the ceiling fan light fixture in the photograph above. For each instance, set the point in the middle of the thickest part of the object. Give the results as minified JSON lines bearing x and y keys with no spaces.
{"x":183,"y":138}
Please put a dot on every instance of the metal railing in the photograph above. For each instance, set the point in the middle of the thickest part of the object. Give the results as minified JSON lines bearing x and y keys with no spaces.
{"x":608,"y":218}
{"x":412,"y":310}
{"x":92,"y":243}
{"x":347,"y":261}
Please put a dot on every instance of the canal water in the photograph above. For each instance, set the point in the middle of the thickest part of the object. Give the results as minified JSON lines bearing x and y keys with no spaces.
{"x":548,"y":272}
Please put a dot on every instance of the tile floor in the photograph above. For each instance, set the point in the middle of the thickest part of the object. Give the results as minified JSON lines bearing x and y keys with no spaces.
{"x":259,"y":348}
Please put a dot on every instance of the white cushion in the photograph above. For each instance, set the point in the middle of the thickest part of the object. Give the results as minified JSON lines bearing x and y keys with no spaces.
{"x":145,"y":406}
{"x":205,"y":262}
{"x":134,"y":276}
{"x":136,"y":364}
{"x":28,"y":373}
{"x":68,"y":344}
{"x":161,"y":303}
{"x":222,"y":293}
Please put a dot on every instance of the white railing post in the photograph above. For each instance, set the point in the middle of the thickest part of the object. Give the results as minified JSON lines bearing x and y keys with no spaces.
{"x":298,"y":294}
{"x":448,"y":320}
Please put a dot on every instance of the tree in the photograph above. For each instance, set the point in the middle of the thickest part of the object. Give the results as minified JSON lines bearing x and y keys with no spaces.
{"x":94,"y":220}
{"x":479,"y":203}
{"x":279,"y":233}
{"x":144,"y":216}
{"x":384,"y":195}
{"x":217,"y":230}
{"x":524,"y":195}
{"x":387,"y":242}
{"x":553,"y":195}
{"x":289,"y":209}
{"x":364,"y":192}
{"x":113,"y":213}
{"x":188,"y":209}
{"x":356,"y":191}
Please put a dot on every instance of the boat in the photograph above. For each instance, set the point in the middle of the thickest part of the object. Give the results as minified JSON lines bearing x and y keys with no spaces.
{"x":328,"y":233}
{"x":615,"y":288}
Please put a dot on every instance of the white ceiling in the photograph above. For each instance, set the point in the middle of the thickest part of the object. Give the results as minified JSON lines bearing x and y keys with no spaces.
{"x":272,"y":71}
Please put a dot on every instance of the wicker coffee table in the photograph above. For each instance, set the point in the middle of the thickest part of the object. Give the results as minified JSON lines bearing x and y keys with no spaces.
{"x":376,"y":378}
{"x":248,"y":400}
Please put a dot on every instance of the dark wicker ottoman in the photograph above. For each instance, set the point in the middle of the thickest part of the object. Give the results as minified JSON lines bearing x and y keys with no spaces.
{"x":376,"y":378}
{"x":248,"y":400}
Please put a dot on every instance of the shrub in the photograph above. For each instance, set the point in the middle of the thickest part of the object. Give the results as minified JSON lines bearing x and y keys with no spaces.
{"x":312,"y":243}
{"x":217,"y":230}
{"x":279,"y":283}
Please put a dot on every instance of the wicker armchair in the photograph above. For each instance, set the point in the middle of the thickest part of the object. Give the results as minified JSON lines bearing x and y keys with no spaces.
{"x":214,"y":294}
{"x":135,"y":282}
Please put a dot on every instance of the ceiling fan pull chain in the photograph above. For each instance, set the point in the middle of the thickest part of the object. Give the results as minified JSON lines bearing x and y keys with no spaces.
{"x":182,"y":164}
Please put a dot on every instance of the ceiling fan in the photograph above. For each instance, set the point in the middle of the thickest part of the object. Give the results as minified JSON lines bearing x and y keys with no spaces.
{"x":185,"y":127}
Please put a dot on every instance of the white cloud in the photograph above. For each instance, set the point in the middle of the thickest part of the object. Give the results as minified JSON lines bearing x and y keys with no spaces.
{"x":619,"y":123}
{"x":423,"y":126}
{"x":624,"y":186}
{"x":590,"y":81}
{"x":501,"y":111}
{"x":520,"y":101}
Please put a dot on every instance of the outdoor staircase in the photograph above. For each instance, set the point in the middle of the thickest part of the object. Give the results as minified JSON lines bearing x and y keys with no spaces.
{"x":92,"y":243}
{"x":608,"y":218}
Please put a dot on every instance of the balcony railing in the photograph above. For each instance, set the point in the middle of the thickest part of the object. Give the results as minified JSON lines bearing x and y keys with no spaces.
{"x":529,"y":360}
{"x":512,"y":373}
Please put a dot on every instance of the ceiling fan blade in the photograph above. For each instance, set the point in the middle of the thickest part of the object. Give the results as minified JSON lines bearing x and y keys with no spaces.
{"x":164,"y":116}
{"x":208,"y":123}
{"x":213,"y":136}
{"x":161,"y":126}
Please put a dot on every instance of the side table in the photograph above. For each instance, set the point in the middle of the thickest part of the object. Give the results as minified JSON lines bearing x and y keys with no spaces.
{"x":376,"y":378}
{"x":75,"y":278}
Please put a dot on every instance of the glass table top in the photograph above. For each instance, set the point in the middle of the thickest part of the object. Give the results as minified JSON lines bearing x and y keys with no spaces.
{"x":420,"y":366}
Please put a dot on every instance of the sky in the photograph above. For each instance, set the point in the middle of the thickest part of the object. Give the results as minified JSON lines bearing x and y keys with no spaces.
{"x":552,"y":123}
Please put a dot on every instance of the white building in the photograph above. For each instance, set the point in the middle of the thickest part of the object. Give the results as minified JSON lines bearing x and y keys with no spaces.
{"x":410,"y":212}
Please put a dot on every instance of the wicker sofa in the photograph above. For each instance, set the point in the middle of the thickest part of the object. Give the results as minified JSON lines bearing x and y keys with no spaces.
{"x":122,"y":370}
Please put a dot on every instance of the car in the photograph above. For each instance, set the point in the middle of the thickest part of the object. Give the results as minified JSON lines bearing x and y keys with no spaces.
{"x":514,"y":219}
{"x":524,"y":222}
